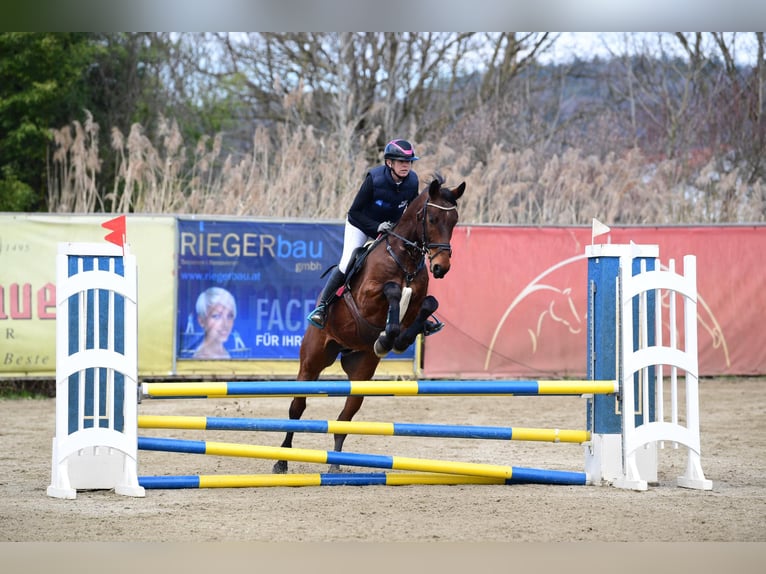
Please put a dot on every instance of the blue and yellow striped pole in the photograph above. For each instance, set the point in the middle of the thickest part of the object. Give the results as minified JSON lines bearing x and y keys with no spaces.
{"x":362,"y":428}
{"x":314,"y":479}
{"x":377,"y":388}
{"x":519,"y":474}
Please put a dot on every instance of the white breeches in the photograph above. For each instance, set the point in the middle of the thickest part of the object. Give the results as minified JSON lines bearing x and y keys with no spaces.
{"x":353,"y":237}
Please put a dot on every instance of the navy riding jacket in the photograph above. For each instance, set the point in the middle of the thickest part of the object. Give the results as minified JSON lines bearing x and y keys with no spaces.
{"x":381,"y":199}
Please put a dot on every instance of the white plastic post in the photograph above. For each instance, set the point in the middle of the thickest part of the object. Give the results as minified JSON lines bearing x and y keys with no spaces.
{"x":650,"y":432}
{"x":693,"y":477}
{"x":603,"y":453}
{"x":96,"y":443}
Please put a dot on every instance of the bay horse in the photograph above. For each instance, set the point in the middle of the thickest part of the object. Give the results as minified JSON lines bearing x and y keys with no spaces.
{"x":384,"y":304}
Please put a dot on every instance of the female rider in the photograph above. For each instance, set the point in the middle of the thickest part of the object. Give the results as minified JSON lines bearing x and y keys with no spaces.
{"x":386,"y":190}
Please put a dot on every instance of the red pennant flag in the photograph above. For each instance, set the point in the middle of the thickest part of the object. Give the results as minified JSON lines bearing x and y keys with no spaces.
{"x":117,"y":228}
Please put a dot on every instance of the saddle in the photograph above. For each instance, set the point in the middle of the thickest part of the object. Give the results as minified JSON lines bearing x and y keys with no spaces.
{"x":358,"y":258}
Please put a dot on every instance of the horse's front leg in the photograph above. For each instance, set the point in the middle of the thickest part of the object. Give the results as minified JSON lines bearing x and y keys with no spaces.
{"x":428,"y":307}
{"x":297,"y":407}
{"x":316,"y":354}
{"x":393,"y":293}
{"x":351,"y":407}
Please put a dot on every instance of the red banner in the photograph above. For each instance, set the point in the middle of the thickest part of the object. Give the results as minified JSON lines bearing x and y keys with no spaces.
{"x":515,"y":300}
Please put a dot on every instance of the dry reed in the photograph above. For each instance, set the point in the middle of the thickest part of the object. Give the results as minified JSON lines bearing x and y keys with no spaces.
{"x":292,"y":172}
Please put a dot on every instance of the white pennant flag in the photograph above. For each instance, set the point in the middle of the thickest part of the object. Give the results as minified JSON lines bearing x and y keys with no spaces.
{"x":598,"y":229}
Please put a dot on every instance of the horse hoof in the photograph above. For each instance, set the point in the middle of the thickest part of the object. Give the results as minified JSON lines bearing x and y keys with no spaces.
{"x":380,"y":351}
{"x":280,"y":467}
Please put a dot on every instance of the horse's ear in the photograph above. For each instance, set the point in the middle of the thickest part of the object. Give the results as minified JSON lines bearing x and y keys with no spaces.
{"x":457,"y":193}
{"x":434,"y":188}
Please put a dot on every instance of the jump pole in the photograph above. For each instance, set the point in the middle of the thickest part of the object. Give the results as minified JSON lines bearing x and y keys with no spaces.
{"x":343,"y":388}
{"x":314,"y":479}
{"x":362,"y":428}
{"x":527,"y":475}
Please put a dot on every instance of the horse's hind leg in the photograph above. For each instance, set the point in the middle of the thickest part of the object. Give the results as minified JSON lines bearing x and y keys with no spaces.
{"x":317,"y":353}
{"x":359,"y":367}
{"x":393,"y":293}
{"x":427,"y":308}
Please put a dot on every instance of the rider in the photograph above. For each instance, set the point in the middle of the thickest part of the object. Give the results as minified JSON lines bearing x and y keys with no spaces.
{"x":385,"y":192}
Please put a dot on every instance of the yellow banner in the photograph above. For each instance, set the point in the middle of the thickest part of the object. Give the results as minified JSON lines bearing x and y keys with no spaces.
{"x":28,"y":247}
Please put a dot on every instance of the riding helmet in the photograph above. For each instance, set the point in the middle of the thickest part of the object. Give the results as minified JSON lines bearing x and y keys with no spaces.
{"x":400,"y":149}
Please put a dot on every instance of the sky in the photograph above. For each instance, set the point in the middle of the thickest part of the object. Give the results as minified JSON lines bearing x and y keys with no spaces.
{"x":586,"y":45}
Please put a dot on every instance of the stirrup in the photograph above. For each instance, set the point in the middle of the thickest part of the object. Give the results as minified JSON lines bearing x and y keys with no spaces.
{"x":432,"y":326}
{"x":318,"y":316}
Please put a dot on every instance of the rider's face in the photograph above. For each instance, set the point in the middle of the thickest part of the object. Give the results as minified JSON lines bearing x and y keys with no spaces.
{"x":399,"y":168}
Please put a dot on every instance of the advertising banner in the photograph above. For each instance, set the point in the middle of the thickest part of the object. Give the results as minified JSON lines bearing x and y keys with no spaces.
{"x":515,"y":300}
{"x":28,"y":247}
{"x":246,"y":287}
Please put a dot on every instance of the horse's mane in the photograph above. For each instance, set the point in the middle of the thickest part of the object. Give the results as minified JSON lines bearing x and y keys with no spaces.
{"x":438,"y":177}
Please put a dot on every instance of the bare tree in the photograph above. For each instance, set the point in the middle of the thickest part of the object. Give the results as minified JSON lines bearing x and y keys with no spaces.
{"x":409,"y":84}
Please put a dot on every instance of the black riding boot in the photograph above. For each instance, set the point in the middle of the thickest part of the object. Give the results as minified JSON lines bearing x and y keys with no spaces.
{"x":319,"y":315}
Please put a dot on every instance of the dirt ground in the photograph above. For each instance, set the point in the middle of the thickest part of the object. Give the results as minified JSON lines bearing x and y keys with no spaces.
{"x":733,"y":429}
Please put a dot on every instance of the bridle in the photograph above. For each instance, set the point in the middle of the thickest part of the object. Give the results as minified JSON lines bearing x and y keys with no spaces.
{"x":427,"y":246}
{"x":422,"y":247}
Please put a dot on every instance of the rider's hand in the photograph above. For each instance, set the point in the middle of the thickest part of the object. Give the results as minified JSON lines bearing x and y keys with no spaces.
{"x":385,"y":227}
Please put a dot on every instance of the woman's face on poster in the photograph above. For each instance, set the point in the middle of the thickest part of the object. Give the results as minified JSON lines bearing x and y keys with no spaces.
{"x":218,"y":322}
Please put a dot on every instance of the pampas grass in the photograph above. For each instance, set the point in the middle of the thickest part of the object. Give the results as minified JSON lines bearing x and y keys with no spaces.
{"x":291,"y":171}
{"x":72,"y":182}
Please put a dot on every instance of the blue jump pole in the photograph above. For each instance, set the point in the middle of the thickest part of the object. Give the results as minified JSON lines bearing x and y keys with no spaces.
{"x":325,"y":479}
{"x":517,"y":474}
{"x":344,"y":388}
{"x":363,"y":428}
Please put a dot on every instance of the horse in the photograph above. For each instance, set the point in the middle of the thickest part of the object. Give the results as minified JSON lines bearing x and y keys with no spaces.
{"x":384,"y":304}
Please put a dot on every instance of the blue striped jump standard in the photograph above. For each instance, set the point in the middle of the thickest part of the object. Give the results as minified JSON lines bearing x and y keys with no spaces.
{"x":517,"y":474}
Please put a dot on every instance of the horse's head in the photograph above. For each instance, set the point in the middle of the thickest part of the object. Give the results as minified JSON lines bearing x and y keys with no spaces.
{"x":438,"y":218}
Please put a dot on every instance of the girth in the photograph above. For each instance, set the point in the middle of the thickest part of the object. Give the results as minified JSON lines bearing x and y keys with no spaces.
{"x":366,"y":331}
